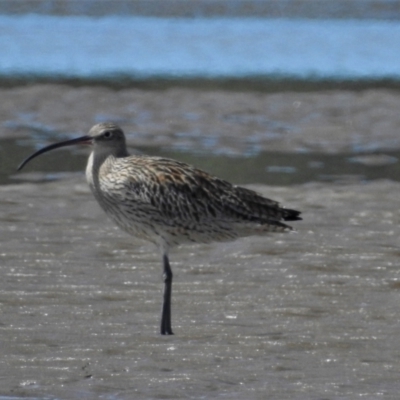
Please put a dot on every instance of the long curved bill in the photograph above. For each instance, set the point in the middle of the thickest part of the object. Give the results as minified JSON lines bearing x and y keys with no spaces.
{"x":83,"y":139}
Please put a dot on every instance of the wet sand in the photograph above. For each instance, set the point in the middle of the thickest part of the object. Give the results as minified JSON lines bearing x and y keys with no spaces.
{"x":313,"y":314}
{"x":215,"y":120}
{"x":308,"y":315}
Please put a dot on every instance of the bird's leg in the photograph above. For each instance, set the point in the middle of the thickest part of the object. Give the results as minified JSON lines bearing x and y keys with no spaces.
{"x":166,"y":308}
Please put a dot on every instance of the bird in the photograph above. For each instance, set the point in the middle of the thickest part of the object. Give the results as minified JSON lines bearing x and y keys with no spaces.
{"x":168,"y":202}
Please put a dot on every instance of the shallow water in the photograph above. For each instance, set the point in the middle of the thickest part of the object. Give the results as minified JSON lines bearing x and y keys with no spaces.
{"x":310,"y":315}
{"x":261,"y":167}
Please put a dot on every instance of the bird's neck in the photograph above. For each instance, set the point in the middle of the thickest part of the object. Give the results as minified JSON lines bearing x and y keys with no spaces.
{"x":95,"y":162}
{"x":99,"y":164}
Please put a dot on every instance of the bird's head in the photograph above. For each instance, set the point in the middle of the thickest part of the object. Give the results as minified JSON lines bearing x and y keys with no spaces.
{"x":106,"y":137}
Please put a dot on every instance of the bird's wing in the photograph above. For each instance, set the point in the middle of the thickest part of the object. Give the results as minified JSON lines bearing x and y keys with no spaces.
{"x":178,"y":191}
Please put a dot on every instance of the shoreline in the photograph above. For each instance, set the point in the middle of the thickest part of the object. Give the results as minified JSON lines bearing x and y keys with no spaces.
{"x":257,"y":84}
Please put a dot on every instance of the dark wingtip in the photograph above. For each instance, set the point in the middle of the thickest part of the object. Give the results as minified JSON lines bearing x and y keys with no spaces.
{"x":292,"y":215}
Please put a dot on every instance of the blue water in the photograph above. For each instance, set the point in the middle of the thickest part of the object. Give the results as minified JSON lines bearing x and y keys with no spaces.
{"x":140,"y":47}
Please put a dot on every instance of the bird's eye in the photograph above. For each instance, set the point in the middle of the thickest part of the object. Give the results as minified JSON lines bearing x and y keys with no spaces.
{"x":107,"y":135}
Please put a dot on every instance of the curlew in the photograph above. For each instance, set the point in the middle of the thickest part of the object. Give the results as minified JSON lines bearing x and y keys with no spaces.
{"x":168,"y":202}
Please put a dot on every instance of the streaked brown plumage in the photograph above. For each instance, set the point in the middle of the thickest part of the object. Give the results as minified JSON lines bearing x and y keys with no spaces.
{"x":169,"y":202}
